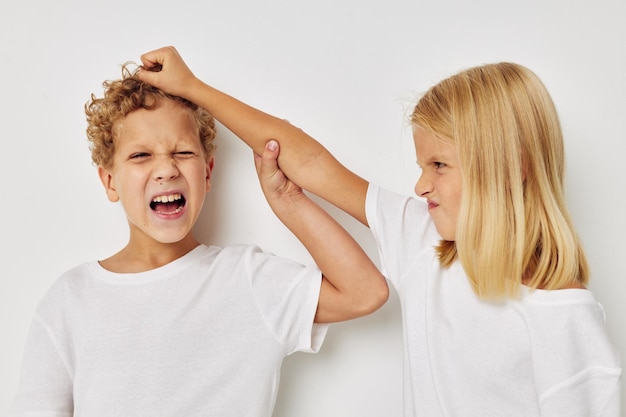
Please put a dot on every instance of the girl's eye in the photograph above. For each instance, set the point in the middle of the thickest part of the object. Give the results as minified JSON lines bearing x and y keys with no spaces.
{"x":185,"y":153}
{"x":139,"y":155}
{"x":439,"y":165}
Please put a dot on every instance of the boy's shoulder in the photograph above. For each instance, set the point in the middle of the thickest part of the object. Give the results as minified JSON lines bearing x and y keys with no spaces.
{"x":72,"y":277}
{"x":80,"y":275}
{"x":201,"y":262}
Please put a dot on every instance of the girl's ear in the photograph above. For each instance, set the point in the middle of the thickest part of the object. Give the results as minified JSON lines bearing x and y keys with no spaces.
{"x":209,"y":169}
{"x":106,"y":177}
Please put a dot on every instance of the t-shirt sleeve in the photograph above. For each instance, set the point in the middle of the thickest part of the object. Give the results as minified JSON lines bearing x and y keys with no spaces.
{"x":592,"y":393}
{"x":45,"y":387}
{"x":287,"y":295}
{"x":402,"y":229}
{"x":577,"y":370}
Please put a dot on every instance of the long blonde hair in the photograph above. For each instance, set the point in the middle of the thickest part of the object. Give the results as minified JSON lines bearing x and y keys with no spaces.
{"x":513,"y":224}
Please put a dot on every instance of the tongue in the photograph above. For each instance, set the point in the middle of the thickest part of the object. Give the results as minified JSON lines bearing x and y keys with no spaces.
{"x":166,"y":207}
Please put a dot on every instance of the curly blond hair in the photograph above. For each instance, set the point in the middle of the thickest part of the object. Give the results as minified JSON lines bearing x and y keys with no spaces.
{"x":124,"y":96}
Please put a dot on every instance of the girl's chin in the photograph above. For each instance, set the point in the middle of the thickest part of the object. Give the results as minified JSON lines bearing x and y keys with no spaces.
{"x":446,"y":234}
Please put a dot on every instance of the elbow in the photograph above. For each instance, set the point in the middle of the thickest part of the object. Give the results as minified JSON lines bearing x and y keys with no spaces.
{"x":377,"y":296}
{"x":361,"y":300}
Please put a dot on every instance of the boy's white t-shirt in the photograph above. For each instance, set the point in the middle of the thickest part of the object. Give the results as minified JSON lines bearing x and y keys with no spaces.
{"x":545,"y":354}
{"x":202,"y":336}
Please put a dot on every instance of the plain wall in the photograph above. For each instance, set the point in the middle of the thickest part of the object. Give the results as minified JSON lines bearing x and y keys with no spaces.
{"x":347,"y":72}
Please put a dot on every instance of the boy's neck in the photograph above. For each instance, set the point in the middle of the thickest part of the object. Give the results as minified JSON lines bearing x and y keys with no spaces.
{"x":140,"y":257}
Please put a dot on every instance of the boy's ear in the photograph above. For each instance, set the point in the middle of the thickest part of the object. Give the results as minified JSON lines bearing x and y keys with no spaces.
{"x":209,"y":169}
{"x":109,"y":185}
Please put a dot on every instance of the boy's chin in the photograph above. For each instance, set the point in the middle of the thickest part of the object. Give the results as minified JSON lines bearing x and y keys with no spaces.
{"x":173,"y":239}
{"x":164,"y":238}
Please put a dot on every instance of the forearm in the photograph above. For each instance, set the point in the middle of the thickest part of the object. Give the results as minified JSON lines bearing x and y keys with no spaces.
{"x":303,"y":159}
{"x":253,"y":126}
{"x":352,"y":285}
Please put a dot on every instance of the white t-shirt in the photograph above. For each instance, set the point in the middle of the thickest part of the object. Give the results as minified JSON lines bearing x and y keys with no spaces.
{"x":204,"y":335}
{"x":546,"y":354}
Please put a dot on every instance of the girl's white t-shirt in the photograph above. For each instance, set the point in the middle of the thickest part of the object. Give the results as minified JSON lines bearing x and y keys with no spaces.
{"x":544,"y":354}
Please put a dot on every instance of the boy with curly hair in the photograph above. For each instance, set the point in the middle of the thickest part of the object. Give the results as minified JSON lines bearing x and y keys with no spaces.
{"x":168,"y":326}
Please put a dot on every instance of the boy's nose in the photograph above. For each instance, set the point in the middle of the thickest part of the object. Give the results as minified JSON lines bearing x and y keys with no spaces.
{"x":165,"y":170}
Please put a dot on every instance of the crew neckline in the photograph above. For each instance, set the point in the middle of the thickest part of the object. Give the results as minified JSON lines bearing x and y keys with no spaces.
{"x":99,"y":272}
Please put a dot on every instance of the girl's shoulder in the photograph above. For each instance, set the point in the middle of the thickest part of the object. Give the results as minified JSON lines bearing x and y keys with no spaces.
{"x":575,"y":363}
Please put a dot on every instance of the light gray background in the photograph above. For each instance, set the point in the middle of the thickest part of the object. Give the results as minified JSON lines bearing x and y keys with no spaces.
{"x":345,"y":71}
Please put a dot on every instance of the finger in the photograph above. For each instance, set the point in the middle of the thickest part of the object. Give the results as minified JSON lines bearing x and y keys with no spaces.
{"x":151,"y":59}
{"x":146,"y":75}
{"x":267,"y":167}
{"x":157,"y":57}
{"x":272,"y":149}
{"x":269,"y":159}
{"x":152,"y":62}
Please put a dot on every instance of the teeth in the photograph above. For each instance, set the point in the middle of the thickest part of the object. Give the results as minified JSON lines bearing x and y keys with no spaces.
{"x":178,"y":210}
{"x":166,"y":198}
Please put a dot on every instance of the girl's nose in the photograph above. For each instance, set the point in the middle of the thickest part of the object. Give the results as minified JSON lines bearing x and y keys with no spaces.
{"x":423,"y":186}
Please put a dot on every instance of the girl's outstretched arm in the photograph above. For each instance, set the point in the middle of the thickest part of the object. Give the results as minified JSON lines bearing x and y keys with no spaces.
{"x":352,"y":286}
{"x":304,"y":160}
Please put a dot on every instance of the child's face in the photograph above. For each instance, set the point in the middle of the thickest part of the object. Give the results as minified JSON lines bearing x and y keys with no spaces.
{"x":159,"y":172}
{"x":440,"y":181}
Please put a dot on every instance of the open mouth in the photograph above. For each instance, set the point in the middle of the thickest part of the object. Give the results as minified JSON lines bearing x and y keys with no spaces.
{"x":168,"y":204}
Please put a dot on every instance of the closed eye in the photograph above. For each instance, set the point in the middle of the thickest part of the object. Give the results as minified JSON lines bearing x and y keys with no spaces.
{"x":139,"y":155}
{"x":185,"y":154}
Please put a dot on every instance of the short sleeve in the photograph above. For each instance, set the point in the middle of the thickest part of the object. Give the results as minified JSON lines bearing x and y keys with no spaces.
{"x":45,"y":387}
{"x":577,"y":370}
{"x":592,"y":393}
{"x":287,"y":295}
{"x":402,"y":229}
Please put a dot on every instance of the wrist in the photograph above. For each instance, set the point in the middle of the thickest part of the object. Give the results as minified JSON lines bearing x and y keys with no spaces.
{"x":293,"y":205}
